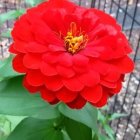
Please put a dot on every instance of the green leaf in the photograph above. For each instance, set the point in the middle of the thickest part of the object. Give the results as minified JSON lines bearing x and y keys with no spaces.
{"x":105,"y":108}
{"x":109,"y":131}
{"x":117,"y":116}
{"x":95,"y":137}
{"x":103,"y":137}
{"x":36,"y":129}
{"x":100,"y":136}
{"x":3,"y":138}
{"x":65,"y":135}
{"x":5,"y":127}
{"x":86,"y":115}
{"x":33,"y":2}
{"x":6,"y":70}
{"x":101,"y":117}
{"x":14,"y":120}
{"x":77,"y":130}
{"x":15,"y":100}
{"x":12,"y":14}
{"x":7,"y":124}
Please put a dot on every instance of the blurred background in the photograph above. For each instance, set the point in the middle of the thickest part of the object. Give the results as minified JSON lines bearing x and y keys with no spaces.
{"x":127,"y":13}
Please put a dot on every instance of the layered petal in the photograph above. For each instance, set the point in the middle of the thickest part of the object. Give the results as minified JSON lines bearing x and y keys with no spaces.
{"x":32,"y":61}
{"x":66,"y":72}
{"x":53,"y":83}
{"x":73,"y":84}
{"x":47,"y":95}
{"x":35,"y":47}
{"x":18,"y":64}
{"x":61,"y":4}
{"x":48,"y":69}
{"x":78,"y":103}
{"x":102,"y":101}
{"x":93,"y":94}
{"x":32,"y":89}
{"x":22,"y":30}
{"x":123,"y":65}
{"x":35,"y":78}
{"x":65,"y":59}
{"x":90,"y":78}
{"x":66,"y":95}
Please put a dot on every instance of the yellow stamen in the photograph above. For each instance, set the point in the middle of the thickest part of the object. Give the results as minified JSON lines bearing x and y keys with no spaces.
{"x":73,"y":42}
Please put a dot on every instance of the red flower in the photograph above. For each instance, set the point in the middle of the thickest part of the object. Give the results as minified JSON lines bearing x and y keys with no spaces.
{"x":70,"y":54}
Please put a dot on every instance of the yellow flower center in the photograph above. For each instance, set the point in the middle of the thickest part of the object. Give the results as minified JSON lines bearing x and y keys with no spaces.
{"x":75,"y":40}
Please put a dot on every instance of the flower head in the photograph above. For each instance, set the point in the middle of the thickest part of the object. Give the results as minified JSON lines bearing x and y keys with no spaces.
{"x":70,"y":54}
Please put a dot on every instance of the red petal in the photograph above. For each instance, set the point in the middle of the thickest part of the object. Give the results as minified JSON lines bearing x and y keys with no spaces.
{"x":22,"y":30}
{"x":127,"y":46}
{"x":80,"y":70}
{"x":108,"y":84}
{"x":100,"y":66}
{"x":51,"y":58}
{"x":30,"y":88}
{"x":97,"y":33}
{"x":89,"y":19}
{"x":119,"y":52}
{"x":78,"y":103}
{"x":47,"y":95}
{"x":56,"y":48}
{"x":124,"y":65}
{"x":73,"y":84}
{"x":66,"y":5}
{"x":103,"y":100}
{"x":19,"y":46}
{"x":34,"y":47}
{"x":92,"y":51}
{"x":32,"y":61}
{"x":92,"y":94}
{"x":66,"y":95}
{"x":122,"y":77}
{"x":118,"y":88}
{"x":47,"y":69}
{"x":112,"y":76}
{"x":43,"y":34}
{"x":80,"y":60}
{"x":18,"y":64}
{"x":90,"y":78}
{"x":105,"y":18}
{"x":65,"y":59}
{"x":57,"y":23}
{"x":53,"y":83}
{"x":107,"y":54}
{"x":112,"y":30}
{"x":65,"y":71}
{"x":35,"y":78}
{"x":12,"y":49}
{"x":54,"y":102}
